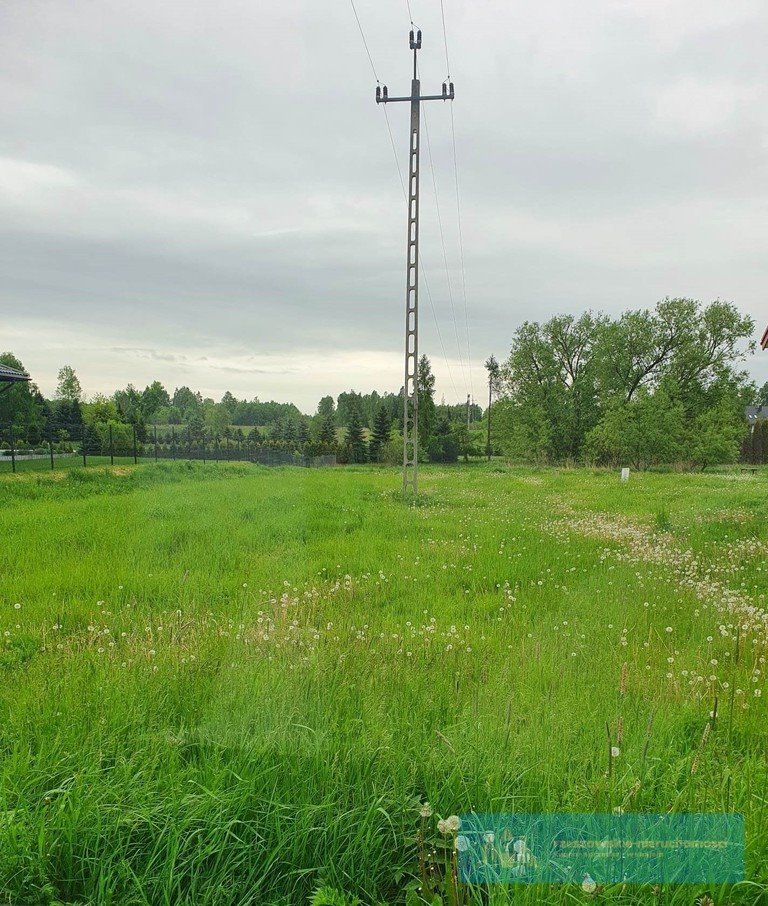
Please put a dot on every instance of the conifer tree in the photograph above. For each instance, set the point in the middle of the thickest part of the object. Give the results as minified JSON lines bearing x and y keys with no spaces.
{"x":289,"y":432}
{"x":354,"y":439}
{"x":328,"y":430}
{"x":276,"y":432}
{"x":380,"y":433}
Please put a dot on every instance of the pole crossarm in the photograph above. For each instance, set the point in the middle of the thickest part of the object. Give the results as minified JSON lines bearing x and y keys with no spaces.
{"x":446,"y":96}
{"x":410,"y":384}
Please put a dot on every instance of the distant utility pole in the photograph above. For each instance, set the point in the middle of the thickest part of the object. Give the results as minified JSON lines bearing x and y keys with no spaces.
{"x":410,"y":386}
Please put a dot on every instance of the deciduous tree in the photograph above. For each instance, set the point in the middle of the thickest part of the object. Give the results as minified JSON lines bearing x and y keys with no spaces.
{"x":68,"y":386}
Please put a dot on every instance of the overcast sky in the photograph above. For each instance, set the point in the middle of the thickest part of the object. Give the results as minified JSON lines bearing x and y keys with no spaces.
{"x":206,"y":193}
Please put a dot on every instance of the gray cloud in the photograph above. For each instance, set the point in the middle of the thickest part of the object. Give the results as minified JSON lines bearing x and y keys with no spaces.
{"x":208,"y":195}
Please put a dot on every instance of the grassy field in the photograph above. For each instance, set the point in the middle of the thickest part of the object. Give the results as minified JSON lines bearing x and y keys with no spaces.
{"x":234,"y":685}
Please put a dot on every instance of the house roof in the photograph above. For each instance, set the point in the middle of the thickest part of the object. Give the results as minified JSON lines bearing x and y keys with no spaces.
{"x":10,"y":375}
{"x":764,"y":341}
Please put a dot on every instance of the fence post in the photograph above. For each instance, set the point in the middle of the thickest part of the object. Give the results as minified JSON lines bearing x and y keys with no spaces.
{"x":111,"y":447}
{"x":217,"y":448}
{"x":135,"y":452}
{"x":13,"y":449}
{"x":155,"y":443}
{"x":50,"y":450}
{"x":82,"y":443}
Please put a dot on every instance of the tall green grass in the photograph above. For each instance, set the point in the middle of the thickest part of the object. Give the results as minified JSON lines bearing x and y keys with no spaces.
{"x":233,"y":685}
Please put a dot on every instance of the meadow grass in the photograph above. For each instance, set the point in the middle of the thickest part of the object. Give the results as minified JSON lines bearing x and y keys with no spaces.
{"x":226,"y":684}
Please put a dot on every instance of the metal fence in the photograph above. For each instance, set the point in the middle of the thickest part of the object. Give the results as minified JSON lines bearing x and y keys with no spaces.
{"x":58,"y":444}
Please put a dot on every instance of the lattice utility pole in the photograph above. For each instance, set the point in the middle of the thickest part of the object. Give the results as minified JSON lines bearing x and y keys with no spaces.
{"x":410,"y":386}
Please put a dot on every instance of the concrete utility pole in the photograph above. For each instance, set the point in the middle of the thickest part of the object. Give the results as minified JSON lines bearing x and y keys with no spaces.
{"x":410,"y":385}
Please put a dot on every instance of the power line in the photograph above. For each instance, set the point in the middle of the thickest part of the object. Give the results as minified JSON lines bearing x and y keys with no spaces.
{"x":445,"y":254}
{"x":365,"y":43}
{"x":445,"y":41}
{"x":458,"y":208}
{"x":402,"y":186}
{"x":458,"y":205}
{"x":394,"y":151}
{"x":421,"y":263}
{"x":461,"y":252}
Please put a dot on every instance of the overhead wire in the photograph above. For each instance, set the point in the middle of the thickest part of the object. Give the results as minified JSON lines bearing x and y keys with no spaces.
{"x":405,"y":195}
{"x":365,"y":43}
{"x":422,"y":266}
{"x":458,"y":209}
{"x":461,"y":255}
{"x":458,"y":215}
{"x":445,"y":254}
{"x":445,"y":41}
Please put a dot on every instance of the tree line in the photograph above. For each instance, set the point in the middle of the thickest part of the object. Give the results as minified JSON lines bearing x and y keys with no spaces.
{"x":648,"y":387}
{"x":356,"y":427}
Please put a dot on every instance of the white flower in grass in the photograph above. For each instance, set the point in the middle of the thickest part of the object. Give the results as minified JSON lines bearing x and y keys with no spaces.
{"x":453,"y":823}
{"x":489,"y":836}
{"x":426,"y":810}
{"x":615,"y":751}
{"x":462,"y":844}
{"x":442,"y":826}
{"x":588,"y":885}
